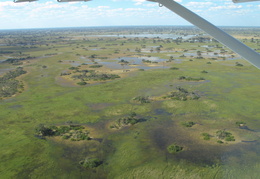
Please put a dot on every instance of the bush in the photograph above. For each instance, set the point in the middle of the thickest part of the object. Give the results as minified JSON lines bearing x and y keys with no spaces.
{"x":95,"y":66}
{"x":241,"y":123}
{"x":174,"y":68}
{"x":78,"y":135}
{"x":188,"y":124}
{"x":76,"y":127}
{"x":173,"y":148}
{"x":65,"y":137}
{"x":44,"y":130}
{"x":63,"y":129}
{"x":220,"y":142}
{"x":230,"y":138}
{"x":73,"y":68}
{"x":239,"y":64}
{"x":206,"y":136}
{"x":82,"y":83}
{"x":91,"y":163}
{"x":190,"y":78}
{"x":142,"y":99}
{"x":222,"y":134}
{"x":182,"y":77}
{"x":204,"y":71}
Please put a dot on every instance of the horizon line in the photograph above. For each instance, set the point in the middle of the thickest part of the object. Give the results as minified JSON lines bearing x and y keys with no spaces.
{"x":35,"y":28}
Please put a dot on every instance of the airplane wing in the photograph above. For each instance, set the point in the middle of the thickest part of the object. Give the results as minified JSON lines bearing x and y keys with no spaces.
{"x":244,"y":51}
{"x":17,"y":1}
{"x":239,"y":1}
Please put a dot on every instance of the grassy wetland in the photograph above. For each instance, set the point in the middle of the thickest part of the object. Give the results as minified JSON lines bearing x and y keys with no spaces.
{"x":129,"y":102}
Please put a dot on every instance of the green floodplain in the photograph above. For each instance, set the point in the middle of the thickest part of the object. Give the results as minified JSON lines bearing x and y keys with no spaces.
{"x":127,"y":102}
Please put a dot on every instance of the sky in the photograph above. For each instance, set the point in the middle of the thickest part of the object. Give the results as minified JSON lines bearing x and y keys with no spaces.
{"x":51,"y":14}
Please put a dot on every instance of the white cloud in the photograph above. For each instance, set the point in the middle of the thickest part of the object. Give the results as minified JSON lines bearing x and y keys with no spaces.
{"x":199,"y":4}
{"x":226,"y":7}
{"x":50,"y":13}
{"x":103,"y":7}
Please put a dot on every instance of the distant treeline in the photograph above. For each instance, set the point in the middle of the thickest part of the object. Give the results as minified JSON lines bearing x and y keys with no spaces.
{"x":17,"y":61}
{"x":9,"y":85}
{"x":5,"y":52}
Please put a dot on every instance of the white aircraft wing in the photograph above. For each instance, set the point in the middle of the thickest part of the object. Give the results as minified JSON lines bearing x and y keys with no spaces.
{"x":244,"y":51}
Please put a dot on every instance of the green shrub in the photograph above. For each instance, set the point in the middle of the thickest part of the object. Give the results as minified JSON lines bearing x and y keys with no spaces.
{"x":44,"y":130}
{"x":241,"y":123}
{"x":82,"y":83}
{"x":173,"y":148}
{"x":95,"y":66}
{"x":76,"y":127}
{"x":63,"y":129}
{"x":73,"y":68}
{"x":182,"y":78}
{"x":65,"y":136}
{"x":188,"y":124}
{"x":239,"y":64}
{"x":220,"y":142}
{"x":91,"y":163}
{"x":142,"y":99}
{"x":174,"y":68}
{"x":222,"y":134}
{"x":206,"y":136}
{"x":230,"y":138}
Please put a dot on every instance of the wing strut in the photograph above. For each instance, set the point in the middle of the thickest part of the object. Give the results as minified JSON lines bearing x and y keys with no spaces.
{"x":244,"y":51}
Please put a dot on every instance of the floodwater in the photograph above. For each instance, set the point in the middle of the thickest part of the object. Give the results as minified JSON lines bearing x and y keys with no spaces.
{"x":144,"y":35}
{"x":165,"y":131}
{"x":1,"y":61}
{"x":134,"y":62}
{"x":3,"y":71}
{"x":161,"y":131}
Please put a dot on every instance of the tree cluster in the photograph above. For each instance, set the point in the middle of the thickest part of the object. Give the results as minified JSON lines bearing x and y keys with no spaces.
{"x":129,"y":120}
{"x":191,"y":78}
{"x":90,"y":163}
{"x":173,"y":148}
{"x":188,"y":124}
{"x":182,"y":95}
{"x":18,"y":61}
{"x":8,"y":84}
{"x":91,"y":75}
{"x":224,"y":135}
{"x":72,"y":132}
{"x":142,"y":99}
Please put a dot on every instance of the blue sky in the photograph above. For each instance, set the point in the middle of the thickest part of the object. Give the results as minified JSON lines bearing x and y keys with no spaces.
{"x":50,"y":13}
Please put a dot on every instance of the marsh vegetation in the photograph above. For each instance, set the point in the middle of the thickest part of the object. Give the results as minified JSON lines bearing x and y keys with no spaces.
{"x":143,"y":102}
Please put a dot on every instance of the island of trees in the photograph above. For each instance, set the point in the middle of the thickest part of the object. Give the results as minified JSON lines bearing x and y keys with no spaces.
{"x":87,"y":75}
{"x":182,"y":94}
{"x":132,"y":119}
{"x":72,"y":132}
{"x":9,"y":85}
